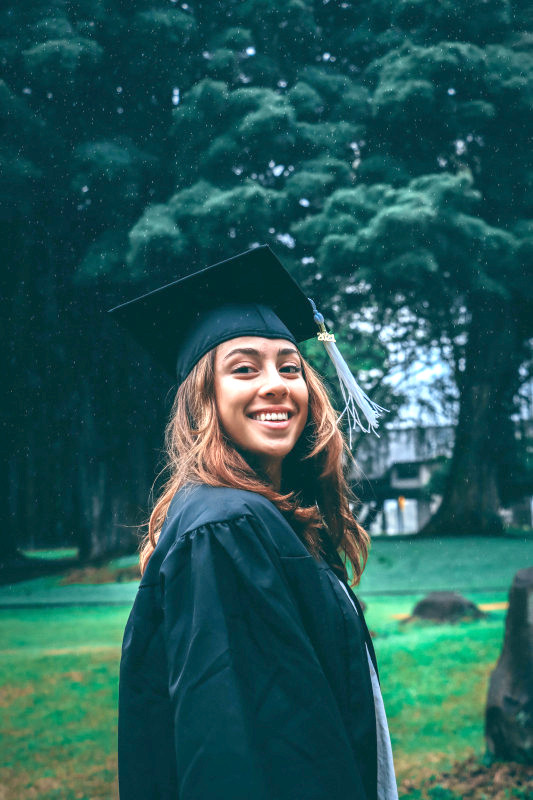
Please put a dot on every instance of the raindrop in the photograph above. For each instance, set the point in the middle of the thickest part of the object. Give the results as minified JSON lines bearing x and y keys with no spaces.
{"x":237,"y":170}
{"x":119,"y":89}
{"x":282,"y":84}
{"x":272,"y":230}
{"x":232,"y":233}
{"x":326,"y":56}
{"x":271,"y":164}
{"x":304,"y":202}
{"x":308,"y":260}
{"x":441,"y":161}
{"x":26,"y":90}
{"x":318,"y":276}
{"x":460,"y":147}
{"x":244,"y":78}
{"x":175,"y":96}
{"x":250,"y":51}
{"x":451,"y":90}
{"x":278,"y":169}
{"x":286,"y":239}
{"x":206,"y":54}
{"x":85,"y":189}
{"x":49,"y":95}
{"x":120,"y":110}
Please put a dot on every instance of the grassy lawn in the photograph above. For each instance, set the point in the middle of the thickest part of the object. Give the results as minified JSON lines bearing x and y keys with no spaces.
{"x":59,"y":679}
{"x":59,"y":676}
{"x":434,"y":683}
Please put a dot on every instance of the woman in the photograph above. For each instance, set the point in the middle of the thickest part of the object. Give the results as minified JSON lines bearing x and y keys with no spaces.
{"x":247,"y":670}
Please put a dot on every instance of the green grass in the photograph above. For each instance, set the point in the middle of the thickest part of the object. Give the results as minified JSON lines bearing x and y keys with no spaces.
{"x":52,"y":554}
{"x":59,"y":669}
{"x":465,"y":564}
{"x":59,"y":678}
{"x":434,"y":682}
{"x":58,"y":701}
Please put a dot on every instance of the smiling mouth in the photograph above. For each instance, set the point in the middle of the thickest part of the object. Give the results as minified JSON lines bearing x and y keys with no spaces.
{"x":272,"y":420}
{"x":272,"y":423}
{"x":271,"y":416}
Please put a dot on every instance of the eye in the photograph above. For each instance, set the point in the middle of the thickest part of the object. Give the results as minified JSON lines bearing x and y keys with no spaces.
{"x":239,"y":369}
{"x":296,"y":369}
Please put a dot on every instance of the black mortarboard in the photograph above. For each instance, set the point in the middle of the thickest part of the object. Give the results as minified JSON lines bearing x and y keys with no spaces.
{"x":251,"y":294}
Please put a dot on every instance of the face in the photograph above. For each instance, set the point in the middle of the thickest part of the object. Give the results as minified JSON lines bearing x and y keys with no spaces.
{"x":254,"y":378}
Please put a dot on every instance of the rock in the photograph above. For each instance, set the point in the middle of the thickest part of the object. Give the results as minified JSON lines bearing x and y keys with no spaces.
{"x":509,"y":709}
{"x":446,"y":607}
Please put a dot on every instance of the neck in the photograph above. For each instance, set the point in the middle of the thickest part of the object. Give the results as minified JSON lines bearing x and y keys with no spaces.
{"x":267,"y":468}
{"x":273,"y":470}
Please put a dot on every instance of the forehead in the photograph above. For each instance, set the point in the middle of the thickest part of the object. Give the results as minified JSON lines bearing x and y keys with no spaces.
{"x":260,"y":343}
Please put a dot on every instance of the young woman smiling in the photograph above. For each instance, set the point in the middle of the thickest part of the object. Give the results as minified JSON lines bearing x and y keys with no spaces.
{"x":247,"y":670}
{"x":262,"y":398}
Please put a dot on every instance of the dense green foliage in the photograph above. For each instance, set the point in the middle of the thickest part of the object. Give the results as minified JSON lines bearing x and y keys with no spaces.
{"x":381,"y":149}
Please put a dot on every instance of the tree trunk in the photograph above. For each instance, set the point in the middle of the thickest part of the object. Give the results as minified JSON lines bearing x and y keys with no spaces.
{"x":484,"y":433}
{"x":118,"y":443}
{"x":509,"y":710}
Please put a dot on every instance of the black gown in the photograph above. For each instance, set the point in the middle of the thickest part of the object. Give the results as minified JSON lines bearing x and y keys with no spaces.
{"x":244,"y":673}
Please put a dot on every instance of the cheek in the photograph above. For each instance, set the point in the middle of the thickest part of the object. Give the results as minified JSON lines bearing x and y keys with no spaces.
{"x":221,"y":400}
{"x":304,"y":399}
{"x":229,"y":399}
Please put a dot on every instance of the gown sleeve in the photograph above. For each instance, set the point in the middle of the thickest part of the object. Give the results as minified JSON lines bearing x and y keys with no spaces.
{"x":254,"y":715}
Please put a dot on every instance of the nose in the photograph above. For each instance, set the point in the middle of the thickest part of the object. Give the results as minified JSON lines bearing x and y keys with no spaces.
{"x":273,"y":383}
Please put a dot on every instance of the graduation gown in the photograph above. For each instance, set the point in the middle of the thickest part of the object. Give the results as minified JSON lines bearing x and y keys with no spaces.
{"x":244,"y":673}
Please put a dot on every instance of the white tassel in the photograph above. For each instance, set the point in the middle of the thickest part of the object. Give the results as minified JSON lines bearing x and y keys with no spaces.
{"x":353,"y":395}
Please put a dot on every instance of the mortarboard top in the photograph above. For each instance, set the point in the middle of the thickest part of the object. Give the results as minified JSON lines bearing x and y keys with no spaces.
{"x":251,"y":294}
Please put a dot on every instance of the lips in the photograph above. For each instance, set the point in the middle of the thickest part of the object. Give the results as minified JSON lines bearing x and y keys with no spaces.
{"x":272,"y":423}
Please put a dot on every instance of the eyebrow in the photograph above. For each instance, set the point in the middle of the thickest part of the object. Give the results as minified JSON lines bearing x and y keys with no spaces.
{"x":251,"y":351}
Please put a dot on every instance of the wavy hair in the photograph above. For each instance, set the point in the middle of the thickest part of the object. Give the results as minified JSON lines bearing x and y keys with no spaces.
{"x":314,"y":494}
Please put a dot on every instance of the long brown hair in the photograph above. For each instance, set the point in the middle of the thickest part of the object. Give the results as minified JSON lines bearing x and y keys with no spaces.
{"x":314,"y":493}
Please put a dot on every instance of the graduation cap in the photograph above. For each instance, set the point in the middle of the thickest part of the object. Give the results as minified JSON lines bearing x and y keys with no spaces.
{"x":251,"y":294}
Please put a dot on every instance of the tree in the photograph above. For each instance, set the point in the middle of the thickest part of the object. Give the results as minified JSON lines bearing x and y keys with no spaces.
{"x":141,"y":138}
{"x":455,"y":249}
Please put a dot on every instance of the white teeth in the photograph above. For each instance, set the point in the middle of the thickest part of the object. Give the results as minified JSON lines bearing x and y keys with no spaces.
{"x":272,"y":417}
